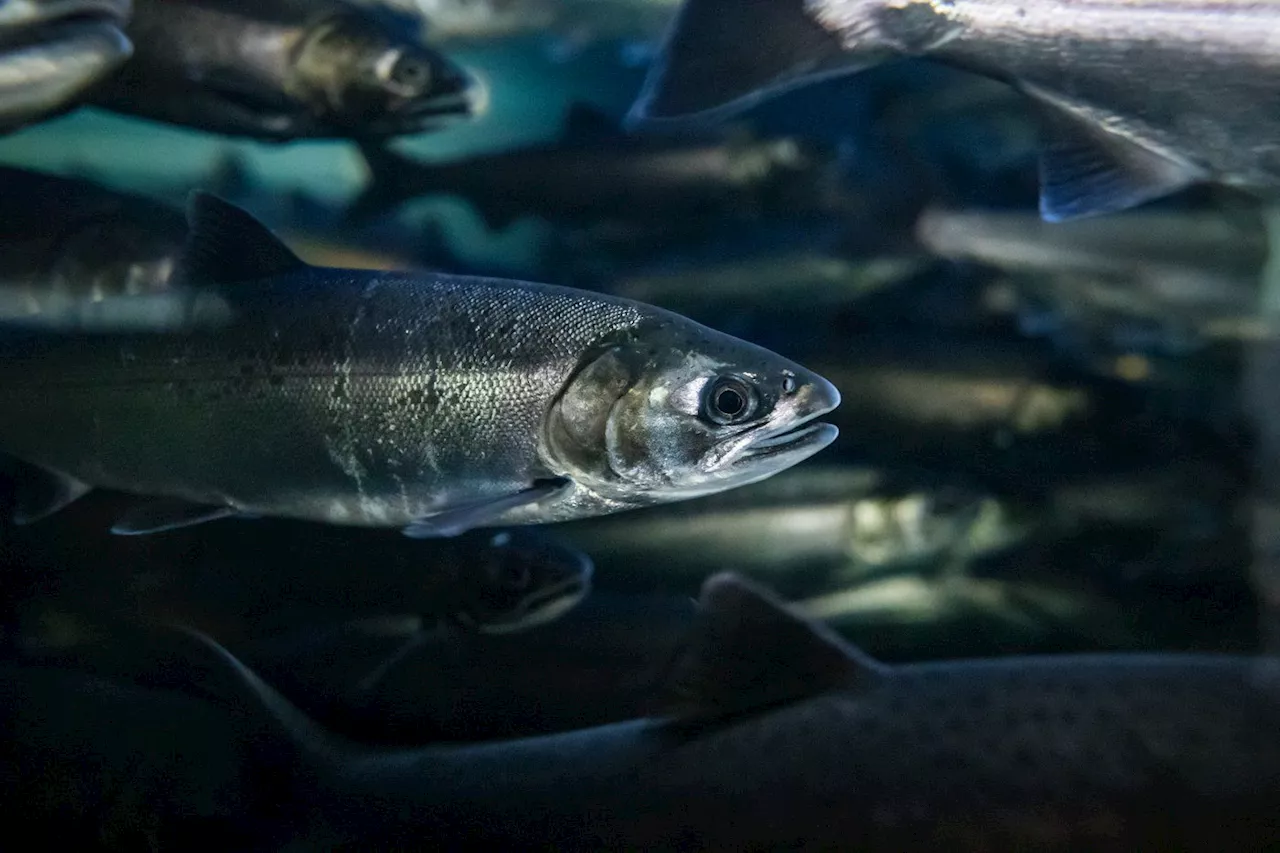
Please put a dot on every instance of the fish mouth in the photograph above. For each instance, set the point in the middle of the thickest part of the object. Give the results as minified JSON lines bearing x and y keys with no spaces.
{"x":464,"y":100}
{"x":802,"y":437}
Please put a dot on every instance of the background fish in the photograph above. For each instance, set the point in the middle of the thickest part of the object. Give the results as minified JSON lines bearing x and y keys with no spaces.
{"x":598,"y":172}
{"x":285,"y":69}
{"x":54,"y":52}
{"x":1195,"y":101}
{"x":1198,"y":270}
{"x":71,"y":243}
{"x":1059,"y":753}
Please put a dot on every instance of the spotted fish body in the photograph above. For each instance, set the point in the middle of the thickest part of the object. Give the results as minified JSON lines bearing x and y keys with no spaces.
{"x":352,"y":397}
{"x":779,"y":736}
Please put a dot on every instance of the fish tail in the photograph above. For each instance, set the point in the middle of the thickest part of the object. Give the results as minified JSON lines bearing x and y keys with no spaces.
{"x":724,"y":56}
{"x":34,"y":492}
{"x":226,"y":679}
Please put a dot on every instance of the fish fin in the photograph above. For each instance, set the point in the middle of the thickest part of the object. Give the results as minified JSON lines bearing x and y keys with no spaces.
{"x":1086,"y":170}
{"x":219,"y":675}
{"x":453,"y":521}
{"x":163,"y":514}
{"x":724,"y":56}
{"x":226,"y":245}
{"x":39,"y":492}
{"x":749,"y":651}
{"x":586,"y":123}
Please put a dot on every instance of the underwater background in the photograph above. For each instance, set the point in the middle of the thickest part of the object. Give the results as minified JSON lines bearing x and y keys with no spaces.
{"x":1054,"y":438}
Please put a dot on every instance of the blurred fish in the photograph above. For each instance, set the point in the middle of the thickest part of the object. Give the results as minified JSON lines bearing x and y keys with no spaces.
{"x":433,"y":403}
{"x":595,"y":172}
{"x":786,"y":737}
{"x":945,"y":386}
{"x":54,"y":52}
{"x":75,"y":580}
{"x":78,"y":257}
{"x":286,"y":69}
{"x":806,"y":531}
{"x":914,"y":617}
{"x":600,"y":663}
{"x":799,"y":278}
{"x":1194,"y":268}
{"x":526,"y":581}
{"x":1139,"y":99}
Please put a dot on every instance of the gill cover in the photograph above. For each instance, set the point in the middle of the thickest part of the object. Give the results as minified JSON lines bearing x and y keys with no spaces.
{"x":578,"y":424}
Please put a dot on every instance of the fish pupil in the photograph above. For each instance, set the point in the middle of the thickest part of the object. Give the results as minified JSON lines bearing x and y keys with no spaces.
{"x":730,"y":402}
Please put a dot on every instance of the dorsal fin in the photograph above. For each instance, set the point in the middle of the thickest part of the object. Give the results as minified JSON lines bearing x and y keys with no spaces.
{"x":749,"y":651}
{"x":226,"y":245}
{"x":585,"y":123}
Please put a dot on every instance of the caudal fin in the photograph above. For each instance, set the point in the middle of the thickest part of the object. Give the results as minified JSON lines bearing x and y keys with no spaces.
{"x":724,"y":56}
{"x":37,"y":492}
{"x":214,"y":671}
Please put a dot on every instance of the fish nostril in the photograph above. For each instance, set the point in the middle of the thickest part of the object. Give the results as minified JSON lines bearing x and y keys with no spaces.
{"x":789,"y":384}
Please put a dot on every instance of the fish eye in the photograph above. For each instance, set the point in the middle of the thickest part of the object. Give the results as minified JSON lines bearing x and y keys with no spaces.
{"x":404,"y":73}
{"x":728,"y":400}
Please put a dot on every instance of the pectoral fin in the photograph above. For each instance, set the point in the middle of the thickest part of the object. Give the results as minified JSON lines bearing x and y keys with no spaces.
{"x":453,"y":521}
{"x":1087,"y":170}
{"x":164,"y":514}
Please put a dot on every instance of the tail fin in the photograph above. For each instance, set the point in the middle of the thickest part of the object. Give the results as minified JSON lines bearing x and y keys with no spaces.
{"x":37,"y":492}
{"x":723,"y":56}
{"x":224,"y":678}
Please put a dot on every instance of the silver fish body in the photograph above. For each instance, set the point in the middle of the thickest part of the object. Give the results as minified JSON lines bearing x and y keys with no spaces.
{"x":385,"y":399}
{"x":1140,"y":98}
{"x":785,"y":737}
{"x":54,"y":52}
